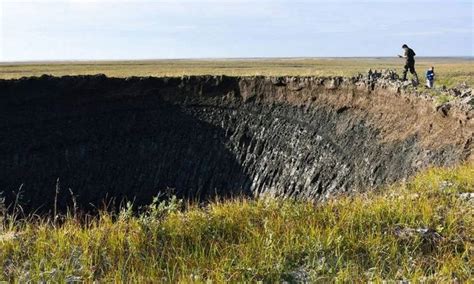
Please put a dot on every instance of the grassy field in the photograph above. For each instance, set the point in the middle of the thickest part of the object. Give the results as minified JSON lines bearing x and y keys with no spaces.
{"x":422,"y":230}
{"x":450,"y":71}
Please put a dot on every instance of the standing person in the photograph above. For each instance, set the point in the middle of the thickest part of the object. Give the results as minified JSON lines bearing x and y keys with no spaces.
{"x":410,"y":62}
{"x":430,"y":76}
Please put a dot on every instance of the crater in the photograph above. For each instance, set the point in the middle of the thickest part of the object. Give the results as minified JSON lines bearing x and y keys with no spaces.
{"x":205,"y":137}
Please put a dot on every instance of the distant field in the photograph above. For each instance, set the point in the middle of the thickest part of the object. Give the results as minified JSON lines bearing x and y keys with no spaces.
{"x":450,"y":71}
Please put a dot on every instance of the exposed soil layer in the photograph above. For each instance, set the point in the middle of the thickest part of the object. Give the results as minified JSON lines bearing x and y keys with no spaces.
{"x":201,"y":137}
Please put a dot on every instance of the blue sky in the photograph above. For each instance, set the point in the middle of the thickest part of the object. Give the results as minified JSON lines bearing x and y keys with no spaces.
{"x":145,"y":29}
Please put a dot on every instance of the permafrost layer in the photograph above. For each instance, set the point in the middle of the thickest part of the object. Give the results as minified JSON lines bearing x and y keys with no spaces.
{"x":199,"y":137}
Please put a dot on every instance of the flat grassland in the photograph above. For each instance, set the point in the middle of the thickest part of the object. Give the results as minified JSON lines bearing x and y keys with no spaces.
{"x":450,"y":71}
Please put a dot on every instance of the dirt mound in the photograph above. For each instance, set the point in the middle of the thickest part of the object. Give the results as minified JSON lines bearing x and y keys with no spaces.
{"x":198,"y":137}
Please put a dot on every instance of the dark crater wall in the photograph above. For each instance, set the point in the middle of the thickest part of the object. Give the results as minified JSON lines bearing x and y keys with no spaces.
{"x":199,"y":137}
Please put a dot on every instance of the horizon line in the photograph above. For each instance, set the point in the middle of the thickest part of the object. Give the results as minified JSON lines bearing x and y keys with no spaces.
{"x":224,"y":58}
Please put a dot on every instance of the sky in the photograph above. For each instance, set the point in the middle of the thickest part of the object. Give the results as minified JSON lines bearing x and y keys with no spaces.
{"x":146,"y":29}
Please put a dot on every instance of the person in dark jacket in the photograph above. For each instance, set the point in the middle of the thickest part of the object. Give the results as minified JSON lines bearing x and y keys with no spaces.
{"x":409,"y":63}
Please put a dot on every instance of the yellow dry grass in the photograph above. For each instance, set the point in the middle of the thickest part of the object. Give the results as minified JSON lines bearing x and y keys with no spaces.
{"x":375,"y":236}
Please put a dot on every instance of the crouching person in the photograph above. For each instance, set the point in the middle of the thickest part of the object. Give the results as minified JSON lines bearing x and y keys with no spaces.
{"x":430,"y":77}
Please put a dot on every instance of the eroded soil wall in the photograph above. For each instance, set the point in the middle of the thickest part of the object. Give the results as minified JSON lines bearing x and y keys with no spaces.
{"x":199,"y":137}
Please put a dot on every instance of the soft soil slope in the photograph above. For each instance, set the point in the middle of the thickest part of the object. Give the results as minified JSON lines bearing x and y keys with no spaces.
{"x":200,"y":137}
{"x":422,"y":230}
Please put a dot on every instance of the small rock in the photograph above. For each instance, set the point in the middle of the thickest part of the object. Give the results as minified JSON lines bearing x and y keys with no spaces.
{"x":443,"y":109}
{"x":467,"y":196}
{"x":445,"y":185}
{"x":454,"y":92}
{"x":300,"y":275}
{"x":278,"y":81}
{"x":427,"y":234}
{"x":466,"y":93}
{"x":468,"y":101}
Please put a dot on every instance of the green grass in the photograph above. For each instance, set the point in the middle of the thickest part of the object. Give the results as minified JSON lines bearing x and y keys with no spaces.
{"x":440,"y":96}
{"x":348,"y":238}
{"x":450,"y":71}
